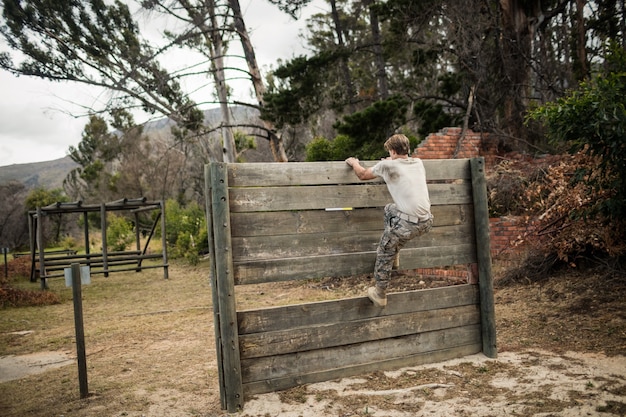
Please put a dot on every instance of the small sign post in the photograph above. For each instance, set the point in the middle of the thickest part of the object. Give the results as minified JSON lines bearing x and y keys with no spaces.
{"x":76,"y":272}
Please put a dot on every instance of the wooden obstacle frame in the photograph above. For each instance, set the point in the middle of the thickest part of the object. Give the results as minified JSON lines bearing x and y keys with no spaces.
{"x":51,"y":264}
{"x":293,"y":221}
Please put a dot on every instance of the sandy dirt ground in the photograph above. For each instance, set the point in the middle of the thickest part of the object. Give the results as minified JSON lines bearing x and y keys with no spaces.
{"x":531,"y":383}
{"x":518,"y":384}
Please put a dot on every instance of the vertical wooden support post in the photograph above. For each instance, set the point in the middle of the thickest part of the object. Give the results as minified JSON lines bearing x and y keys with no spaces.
{"x":485,"y":279}
{"x":80,"y":331}
{"x":40,"y":246}
{"x":32,"y":230}
{"x":103,"y":223}
{"x":208,"y":195}
{"x":137,"y":240}
{"x":86,"y":232}
{"x":164,"y":241}
{"x":137,"y":232}
{"x":229,"y":334}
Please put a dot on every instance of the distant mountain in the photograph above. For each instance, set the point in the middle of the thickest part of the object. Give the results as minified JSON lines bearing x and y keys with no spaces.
{"x":50,"y":174}
{"x":47,"y":174}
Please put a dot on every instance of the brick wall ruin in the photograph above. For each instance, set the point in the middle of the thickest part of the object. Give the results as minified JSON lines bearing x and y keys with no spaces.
{"x":505,"y":232}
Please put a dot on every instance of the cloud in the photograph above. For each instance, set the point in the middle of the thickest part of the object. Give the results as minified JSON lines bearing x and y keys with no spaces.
{"x":35,"y":120}
{"x":32,"y":125}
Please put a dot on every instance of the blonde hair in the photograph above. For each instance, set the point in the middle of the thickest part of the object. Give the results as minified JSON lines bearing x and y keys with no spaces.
{"x":398,"y":143}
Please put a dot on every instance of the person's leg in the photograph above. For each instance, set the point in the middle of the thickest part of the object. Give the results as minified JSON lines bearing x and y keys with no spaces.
{"x":387,"y":250}
{"x":396,"y":234}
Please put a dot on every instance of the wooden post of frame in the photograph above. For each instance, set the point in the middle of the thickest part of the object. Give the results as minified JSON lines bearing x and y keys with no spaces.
{"x":483,"y":249}
{"x":225,"y":286}
{"x":208,"y":195}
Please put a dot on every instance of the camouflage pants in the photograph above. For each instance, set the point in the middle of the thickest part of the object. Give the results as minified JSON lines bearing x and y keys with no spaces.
{"x":396,"y":234}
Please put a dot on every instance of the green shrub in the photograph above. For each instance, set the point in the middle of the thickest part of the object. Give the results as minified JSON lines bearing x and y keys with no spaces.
{"x":186,"y":230}
{"x":119,"y":233}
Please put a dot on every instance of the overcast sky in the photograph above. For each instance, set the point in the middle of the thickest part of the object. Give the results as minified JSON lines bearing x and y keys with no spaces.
{"x":35,"y":120}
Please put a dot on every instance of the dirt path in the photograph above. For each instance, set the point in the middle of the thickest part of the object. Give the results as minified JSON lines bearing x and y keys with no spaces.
{"x":17,"y":367}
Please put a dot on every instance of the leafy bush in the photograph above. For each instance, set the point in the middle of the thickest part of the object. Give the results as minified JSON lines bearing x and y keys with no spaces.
{"x":369,"y":128}
{"x":68,"y":242}
{"x":585,"y":210}
{"x":16,"y":297}
{"x":516,"y":186}
{"x":592,"y":120}
{"x":12,"y":297}
{"x":555,"y":207}
{"x":321,"y":149}
{"x":119,"y":233}
{"x":186,"y":230}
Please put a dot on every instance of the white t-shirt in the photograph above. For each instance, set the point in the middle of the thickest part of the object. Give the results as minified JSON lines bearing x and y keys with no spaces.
{"x":406,"y":182}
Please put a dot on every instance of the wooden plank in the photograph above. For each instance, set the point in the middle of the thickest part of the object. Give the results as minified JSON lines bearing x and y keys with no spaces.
{"x":302,"y":363}
{"x":276,"y":223}
{"x":326,"y":312}
{"x":316,"y":244}
{"x":208,"y":200}
{"x":303,"y":245}
{"x":256,"y":272}
{"x":446,"y":169}
{"x":452,"y":214}
{"x":309,"y":173}
{"x":247,"y":199}
{"x":412,"y":258}
{"x":355,"y":331}
{"x":485,"y":281}
{"x":308,"y":197}
{"x":443,"y":236}
{"x":453,"y":193}
{"x":277,"y":384}
{"x":224,"y":281}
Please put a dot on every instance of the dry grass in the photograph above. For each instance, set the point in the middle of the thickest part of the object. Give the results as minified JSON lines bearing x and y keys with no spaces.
{"x":145,"y":337}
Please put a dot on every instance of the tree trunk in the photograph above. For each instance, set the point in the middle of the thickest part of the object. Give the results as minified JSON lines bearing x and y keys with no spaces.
{"x":381,"y":74}
{"x":345,"y":70}
{"x":516,"y":45}
{"x":213,"y":38}
{"x":216,"y":47}
{"x":276,"y":143}
{"x":583,"y":67}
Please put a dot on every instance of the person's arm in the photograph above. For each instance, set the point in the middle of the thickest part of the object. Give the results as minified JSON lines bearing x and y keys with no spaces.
{"x":361,"y":172}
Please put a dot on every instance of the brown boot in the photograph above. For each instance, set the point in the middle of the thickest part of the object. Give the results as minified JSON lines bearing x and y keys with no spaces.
{"x":377,"y":296}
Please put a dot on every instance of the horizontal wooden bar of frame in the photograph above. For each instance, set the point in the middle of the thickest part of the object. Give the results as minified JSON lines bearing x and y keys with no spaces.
{"x":311,"y":267}
{"x":110,"y":270}
{"x":284,"y":371}
{"x":349,"y":309}
{"x":309,"y":173}
{"x":322,"y":197}
{"x":94,"y":260}
{"x":276,"y":223}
